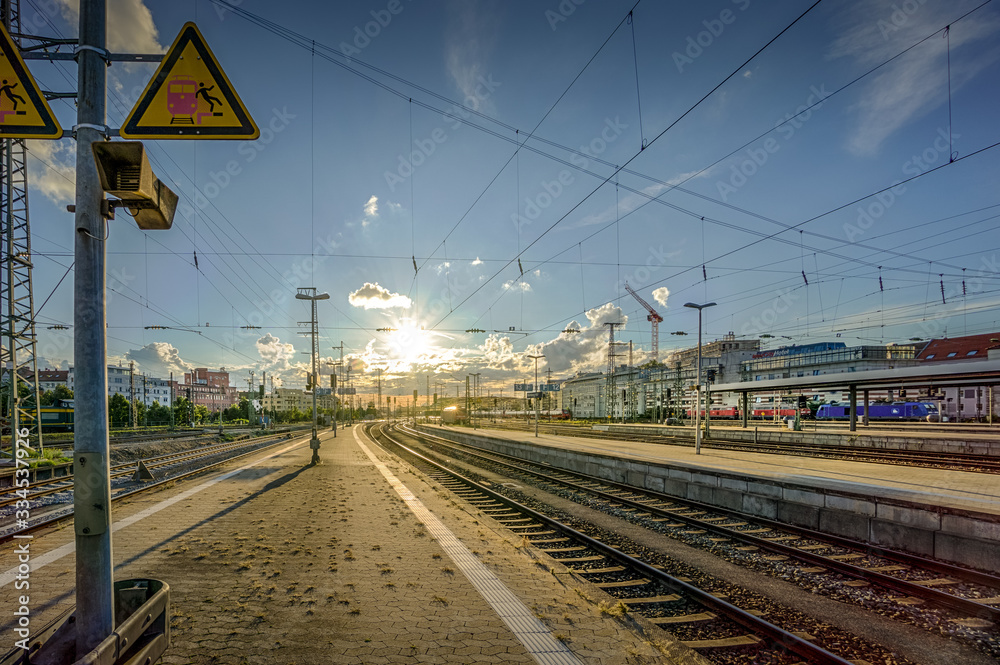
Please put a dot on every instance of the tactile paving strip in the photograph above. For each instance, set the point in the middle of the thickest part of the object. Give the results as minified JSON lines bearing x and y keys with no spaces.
{"x":531,"y":632}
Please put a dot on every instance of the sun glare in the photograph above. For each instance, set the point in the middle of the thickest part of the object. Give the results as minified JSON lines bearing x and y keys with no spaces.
{"x":409,"y":344}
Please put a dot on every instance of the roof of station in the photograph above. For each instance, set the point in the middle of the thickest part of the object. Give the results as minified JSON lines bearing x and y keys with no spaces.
{"x":971,"y":372}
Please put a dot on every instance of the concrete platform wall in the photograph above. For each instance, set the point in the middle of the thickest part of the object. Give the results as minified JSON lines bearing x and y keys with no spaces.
{"x":972,"y":446}
{"x":965,"y":538}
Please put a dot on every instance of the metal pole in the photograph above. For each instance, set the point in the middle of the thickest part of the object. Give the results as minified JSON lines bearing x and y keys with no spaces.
{"x":853,"y":398}
{"x":708,"y":405}
{"x":697,"y":408}
{"x":131,"y":393}
{"x":91,"y":482}
{"x":315,"y":351}
{"x":537,"y":400}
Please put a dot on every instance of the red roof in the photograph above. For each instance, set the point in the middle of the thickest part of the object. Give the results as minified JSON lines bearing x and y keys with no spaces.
{"x":970,"y":347}
{"x":47,"y":374}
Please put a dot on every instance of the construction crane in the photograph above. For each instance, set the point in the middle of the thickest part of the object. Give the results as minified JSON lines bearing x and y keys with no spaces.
{"x":653,"y":317}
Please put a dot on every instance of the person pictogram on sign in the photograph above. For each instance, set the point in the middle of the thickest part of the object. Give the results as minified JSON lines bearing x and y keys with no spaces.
{"x":8,"y":90}
{"x":203,"y":93}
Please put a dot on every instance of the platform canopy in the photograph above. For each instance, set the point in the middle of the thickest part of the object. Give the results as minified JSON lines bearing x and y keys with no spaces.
{"x":964,"y":373}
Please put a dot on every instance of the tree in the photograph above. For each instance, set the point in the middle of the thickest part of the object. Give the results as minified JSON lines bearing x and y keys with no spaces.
{"x":158,"y":415}
{"x":140,"y":413}
{"x":118,"y":411}
{"x":182,"y":410}
{"x":200,"y":413}
{"x":62,"y":392}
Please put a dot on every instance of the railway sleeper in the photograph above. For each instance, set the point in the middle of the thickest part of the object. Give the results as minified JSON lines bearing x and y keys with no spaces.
{"x":622,"y":584}
{"x":888,"y":569}
{"x":684,"y":618}
{"x":597,"y":571}
{"x":723,"y":642}
{"x":581,"y":559}
{"x":652,"y":600}
{"x":941,"y":581}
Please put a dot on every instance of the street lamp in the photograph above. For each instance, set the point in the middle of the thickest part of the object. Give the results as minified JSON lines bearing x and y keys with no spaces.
{"x":537,"y":391}
{"x":475,"y":397}
{"x":309,"y":293}
{"x":333,"y":391}
{"x":697,"y":408}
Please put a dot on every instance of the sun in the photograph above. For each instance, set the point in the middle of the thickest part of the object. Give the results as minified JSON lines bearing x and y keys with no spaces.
{"x":410,"y":344}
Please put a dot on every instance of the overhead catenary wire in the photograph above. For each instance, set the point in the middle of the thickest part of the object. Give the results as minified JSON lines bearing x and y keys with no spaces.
{"x":635,"y":155}
{"x":298,"y":38}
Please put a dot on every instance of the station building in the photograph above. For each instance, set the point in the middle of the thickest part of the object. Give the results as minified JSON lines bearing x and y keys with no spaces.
{"x":965,"y":402}
{"x":131,"y":385}
{"x":827,"y":358}
{"x":286,"y":399}
{"x":204,"y":387}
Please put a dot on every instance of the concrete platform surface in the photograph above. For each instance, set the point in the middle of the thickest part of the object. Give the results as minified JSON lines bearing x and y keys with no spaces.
{"x":355,"y":560}
{"x":950,"y":515}
{"x":958,"y":490}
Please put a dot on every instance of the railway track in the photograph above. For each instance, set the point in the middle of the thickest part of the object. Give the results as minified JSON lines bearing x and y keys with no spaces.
{"x":67,"y":444}
{"x":58,"y":485}
{"x":954,"y":461}
{"x":898,"y":572}
{"x":696,"y":612}
{"x":51,"y":486}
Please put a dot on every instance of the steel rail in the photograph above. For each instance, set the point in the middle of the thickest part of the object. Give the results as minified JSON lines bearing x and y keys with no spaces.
{"x":940,"y":598}
{"x":124,"y":495}
{"x":787,"y":640}
{"x":966,"y":461}
{"x":63,"y":483}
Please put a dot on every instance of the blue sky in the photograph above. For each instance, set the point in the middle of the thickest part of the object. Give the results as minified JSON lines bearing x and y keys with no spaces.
{"x":371,"y":159}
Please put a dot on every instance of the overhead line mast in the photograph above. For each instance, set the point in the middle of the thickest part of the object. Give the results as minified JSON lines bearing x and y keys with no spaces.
{"x":19,"y":357}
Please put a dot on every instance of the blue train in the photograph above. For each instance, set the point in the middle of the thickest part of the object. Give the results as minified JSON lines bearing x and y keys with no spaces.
{"x":926,"y":411}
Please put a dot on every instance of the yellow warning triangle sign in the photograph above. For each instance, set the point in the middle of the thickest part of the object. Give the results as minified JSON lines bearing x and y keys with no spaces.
{"x":189,"y":97}
{"x":24,"y":113}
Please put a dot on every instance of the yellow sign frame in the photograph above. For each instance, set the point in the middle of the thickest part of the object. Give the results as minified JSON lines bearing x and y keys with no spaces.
{"x":167,"y":90}
{"x":43,"y":122}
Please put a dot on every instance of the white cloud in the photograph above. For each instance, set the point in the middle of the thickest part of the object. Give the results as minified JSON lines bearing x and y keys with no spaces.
{"x":917,"y":82}
{"x":517,"y":285}
{"x":371,"y":212}
{"x":52,"y":171}
{"x":584,"y":351}
{"x":498,"y":353}
{"x":131,"y":31}
{"x":471,"y":39}
{"x":275,"y":354}
{"x":159,"y":359}
{"x":373,"y":296}
{"x":661,"y":294}
{"x":477,"y":262}
{"x":50,"y":363}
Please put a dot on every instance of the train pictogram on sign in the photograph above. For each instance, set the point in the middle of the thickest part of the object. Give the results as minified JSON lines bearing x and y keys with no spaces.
{"x":189,"y":97}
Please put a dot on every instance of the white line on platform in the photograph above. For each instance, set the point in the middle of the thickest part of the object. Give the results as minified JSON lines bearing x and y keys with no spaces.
{"x":58,"y":553}
{"x":531,"y":632}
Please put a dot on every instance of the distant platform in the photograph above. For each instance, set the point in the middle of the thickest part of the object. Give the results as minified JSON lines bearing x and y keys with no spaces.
{"x":952,"y":515}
